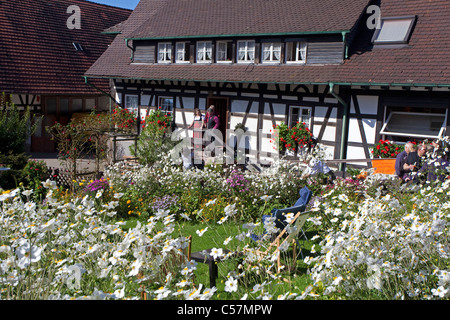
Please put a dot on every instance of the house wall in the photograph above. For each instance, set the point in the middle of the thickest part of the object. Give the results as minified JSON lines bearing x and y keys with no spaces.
{"x":55,"y":108}
{"x":260,"y":106}
{"x":369,"y":107}
{"x":257,"y":106}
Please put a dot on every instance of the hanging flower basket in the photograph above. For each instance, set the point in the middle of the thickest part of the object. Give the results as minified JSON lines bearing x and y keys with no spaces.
{"x":290,"y":140}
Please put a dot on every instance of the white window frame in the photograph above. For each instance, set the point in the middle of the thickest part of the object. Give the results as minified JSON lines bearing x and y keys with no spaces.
{"x":381,"y":30}
{"x":271,"y":49}
{"x":301,"y":49}
{"x":130,"y":106}
{"x":246,"y":50}
{"x":422,"y":115}
{"x":202,"y":49}
{"x":160,"y":104}
{"x":227,"y":59}
{"x":165,"y":49}
{"x":300,"y":109}
{"x":181,"y":50}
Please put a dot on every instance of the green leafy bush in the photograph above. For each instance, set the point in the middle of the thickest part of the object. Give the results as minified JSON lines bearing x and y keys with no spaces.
{"x":155,"y":138}
{"x":15,"y":127}
{"x":34,"y":173}
{"x":16,"y":162}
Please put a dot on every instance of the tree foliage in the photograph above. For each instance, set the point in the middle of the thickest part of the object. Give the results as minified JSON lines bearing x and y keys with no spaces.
{"x":15,"y":126}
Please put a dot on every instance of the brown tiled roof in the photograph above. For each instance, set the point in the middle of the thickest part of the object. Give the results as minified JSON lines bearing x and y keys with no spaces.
{"x":115,"y":29}
{"x":179,"y":18}
{"x":425,"y":61}
{"x":37,"y":54}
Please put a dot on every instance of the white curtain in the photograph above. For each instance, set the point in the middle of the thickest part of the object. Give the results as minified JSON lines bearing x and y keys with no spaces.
{"x":277,"y":51}
{"x":221,"y":51}
{"x":204,"y":51}
{"x":180,"y":51}
{"x":208,"y":50}
{"x":200,"y":55}
{"x":251,"y":50}
{"x":302,"y":51}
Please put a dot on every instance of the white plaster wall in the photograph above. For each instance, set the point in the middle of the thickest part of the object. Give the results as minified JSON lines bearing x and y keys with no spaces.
{"x":367,"y":104}
{"x":369,"y":126}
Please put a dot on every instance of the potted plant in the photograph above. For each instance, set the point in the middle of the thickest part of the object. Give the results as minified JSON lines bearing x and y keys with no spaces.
{"x":383,"y":156}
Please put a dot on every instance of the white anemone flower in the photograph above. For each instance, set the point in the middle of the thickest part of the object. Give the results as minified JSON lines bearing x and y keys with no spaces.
{"x":216,"y":253}
{"x":27,"y":193}
{"x":28,"y":254}
{"x":210,"y":202}
{"x":227,"y":240}
{"x":231,"y":285}
{"x":266,"y":197}
{"x":201,"y":232}
{"x":49,"y":184}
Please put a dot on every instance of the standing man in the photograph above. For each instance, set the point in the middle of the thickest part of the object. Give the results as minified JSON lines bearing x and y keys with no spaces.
{"x":400,"y":160}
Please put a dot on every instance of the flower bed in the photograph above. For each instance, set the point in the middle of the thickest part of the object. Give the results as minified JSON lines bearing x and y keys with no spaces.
{"x":374,"y":237}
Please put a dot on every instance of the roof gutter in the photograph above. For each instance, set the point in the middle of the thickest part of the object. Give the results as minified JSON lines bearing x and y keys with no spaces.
{"x":345,"y":124}
{"x":242,"y":35}
{"x":372,"y":84}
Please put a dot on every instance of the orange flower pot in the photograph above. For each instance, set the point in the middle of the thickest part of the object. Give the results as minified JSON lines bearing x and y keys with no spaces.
{"x":386,"y":166}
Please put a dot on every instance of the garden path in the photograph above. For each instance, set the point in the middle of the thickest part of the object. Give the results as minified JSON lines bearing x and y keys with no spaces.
{"x":51,"y":159}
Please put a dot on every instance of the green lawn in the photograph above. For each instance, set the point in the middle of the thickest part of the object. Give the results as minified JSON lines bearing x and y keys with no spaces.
{"x":215,"y":236}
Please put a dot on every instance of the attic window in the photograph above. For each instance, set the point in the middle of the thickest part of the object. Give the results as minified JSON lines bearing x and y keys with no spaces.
{"x":394,"y":30}
{"x":77,"y":46}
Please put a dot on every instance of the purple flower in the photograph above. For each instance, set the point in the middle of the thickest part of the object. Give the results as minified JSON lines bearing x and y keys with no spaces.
{"x":165,"y":202}
{"x":97,"y":185}
{"x":237,"y":182}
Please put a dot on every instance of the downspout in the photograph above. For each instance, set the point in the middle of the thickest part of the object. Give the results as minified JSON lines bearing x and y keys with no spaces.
{"x":344,"y":40}
{"x":345,"y":123}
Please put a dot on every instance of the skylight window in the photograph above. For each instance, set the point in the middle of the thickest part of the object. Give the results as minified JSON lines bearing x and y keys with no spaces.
{"x":77,"y":46}
{"x":394,"y":30}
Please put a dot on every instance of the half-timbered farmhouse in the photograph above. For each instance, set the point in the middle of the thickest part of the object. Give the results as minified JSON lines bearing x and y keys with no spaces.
{"x":355,"y":71}
{"x":44,"y":54}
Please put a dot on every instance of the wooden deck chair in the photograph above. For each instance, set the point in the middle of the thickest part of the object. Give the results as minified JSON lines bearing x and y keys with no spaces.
{"x":288,"y":234}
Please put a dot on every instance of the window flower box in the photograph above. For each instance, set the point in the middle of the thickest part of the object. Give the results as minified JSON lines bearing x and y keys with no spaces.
{"x":384,"y":154}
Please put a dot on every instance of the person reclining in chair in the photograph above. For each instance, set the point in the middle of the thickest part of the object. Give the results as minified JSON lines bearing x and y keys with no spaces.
{"x":316,"y":167}
{"x":280,"y":216}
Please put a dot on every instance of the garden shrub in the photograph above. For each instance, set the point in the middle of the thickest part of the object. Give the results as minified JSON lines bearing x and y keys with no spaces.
{"x":34,"y":173}
{"x":80,"y":138}
{"x":15,"y":127}
{"x":16,"y":162}
{"x":155,"y":138}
